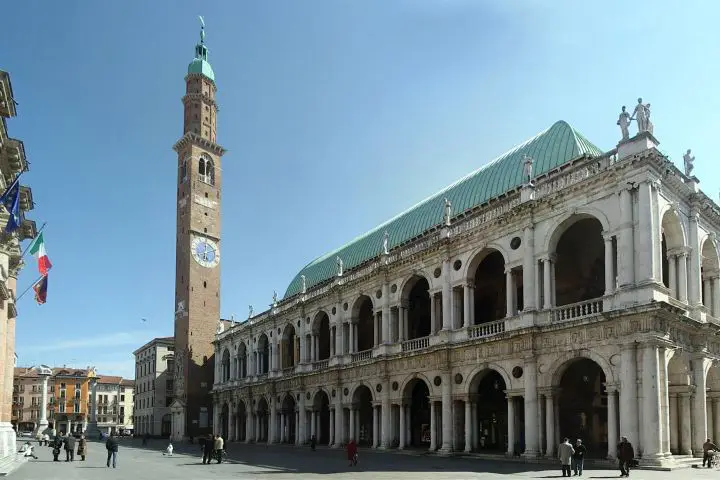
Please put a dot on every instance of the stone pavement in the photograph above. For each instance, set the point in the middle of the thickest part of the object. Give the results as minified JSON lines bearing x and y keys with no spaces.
{"x":281,"y":462}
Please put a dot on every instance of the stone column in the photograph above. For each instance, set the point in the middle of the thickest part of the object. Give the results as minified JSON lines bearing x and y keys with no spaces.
{"x":302,"y":419}
{"x":401,"y":445}
{"x":331,"y":432}
{"x":433,"y":319}
{"x":550,"y":425}
{"x":355,"y":337}
{"x":684,"y":418}
{"x":386,"y":313}
{"x":652,"y":430}
{"x":694,"y":273}
{"x":351,"y":346}
{"x":674,"y":426}
{"x":468,"y":312}
{"x":433,"y":427}
{"x":446,"y":296}
{"x":707,"y":289}
{"x":511,"y":425}
{"x":644,"y":233}
{"x":547,"y":283}
{"x":613,"y":437}
{"x":682,"y":277}
{"x":406,"y":322}
{"x":468,"y":425}
{"x":699,"y":404}
{"x":386,"y":417}
{"x":272,"y":435}
{"x":531,"y":408}
{"x":528,"y":268}
{"x":376,"y":427}
{"x":248,"y":426}
{"x":629,"y":394}
{"x":340,"y":331}
{"x":609,"y":266}
{"x":446,"y":414}
{"x":339,"y":418}
{"x":715,"y":296}
{"x":92,"y":430}
{"x":509,"y":293}
{"x":44,"y":377}
{"x":313,"y":424}
{"x":626,"y":257}
{"x":716,"y":417}
{"x":672,"y":275}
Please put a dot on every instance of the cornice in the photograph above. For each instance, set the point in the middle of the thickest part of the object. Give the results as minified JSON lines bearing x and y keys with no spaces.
{"x":195,"y":139}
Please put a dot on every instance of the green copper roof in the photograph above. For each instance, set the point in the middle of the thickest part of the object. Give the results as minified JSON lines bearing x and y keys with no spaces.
{"x":200,"y":63}
{"x":555,"y":146}
{"x":203,"y":67}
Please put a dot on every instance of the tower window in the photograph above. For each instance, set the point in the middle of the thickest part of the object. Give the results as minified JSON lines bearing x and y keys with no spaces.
{"x":204,"y":284}
{"x":206,"y":195}
{"x":206,"y":169}
{"x":205,"y":230}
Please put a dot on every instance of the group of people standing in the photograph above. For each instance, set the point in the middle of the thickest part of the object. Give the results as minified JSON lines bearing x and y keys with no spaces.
{"x":572,"y":458}
{"x":212,"y":447}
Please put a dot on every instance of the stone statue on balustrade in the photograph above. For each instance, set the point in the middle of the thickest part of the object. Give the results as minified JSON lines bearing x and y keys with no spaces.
{"x":689,"y":161}
{"x":527,"y":169}
{"x":386,"y":237}
{"x":624,"y":123}
{"x":642,"y":115}
{"x":340,"y":266}
{"x":448,"y":213}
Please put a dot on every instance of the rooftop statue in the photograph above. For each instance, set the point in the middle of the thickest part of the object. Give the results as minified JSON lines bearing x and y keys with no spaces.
{"x":448,"y":213}
{"x":304,"y":284}
{"x":250,"y":311}
{"x":385,"y":250}
{"x":689,"y":161}
{"x":642,"y":115}
{"x":220,"y":327}
{"x":275,"y":298}
{"x":527,"y":168}
{"x":340,"y":265}
{"x":624,"y":122}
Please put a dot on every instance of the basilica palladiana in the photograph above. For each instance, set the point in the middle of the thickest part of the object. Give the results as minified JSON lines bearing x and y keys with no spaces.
{"x":560,"y":290}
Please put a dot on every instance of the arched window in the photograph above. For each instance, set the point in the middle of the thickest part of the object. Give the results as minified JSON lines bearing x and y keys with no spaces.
{"x":206,"y":170}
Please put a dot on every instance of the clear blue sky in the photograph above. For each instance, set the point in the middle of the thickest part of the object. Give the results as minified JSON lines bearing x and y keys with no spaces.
{"x":336,"y":115}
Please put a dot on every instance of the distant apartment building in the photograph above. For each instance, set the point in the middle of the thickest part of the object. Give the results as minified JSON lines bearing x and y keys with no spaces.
{"x":154,"y":367}
{"x":114,"y":404}
{"x":68,"y":407}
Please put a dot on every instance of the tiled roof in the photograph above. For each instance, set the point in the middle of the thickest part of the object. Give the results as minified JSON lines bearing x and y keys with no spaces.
{"x":109,"y":379}
{"x":550,"y":149}
{"x":127,"y":383}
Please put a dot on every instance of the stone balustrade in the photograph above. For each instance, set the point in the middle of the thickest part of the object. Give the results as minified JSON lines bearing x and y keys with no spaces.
{"x":486,"y":329}
{"x":575,"y":311}
{"x":415,"y":344}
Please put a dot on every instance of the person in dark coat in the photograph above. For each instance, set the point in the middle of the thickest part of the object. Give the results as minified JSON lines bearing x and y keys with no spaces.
{"x":626,"y":454}
{"x":69,"y":442}
{"x":112,"y":448}
{"x":56,"y":446}
{"x":82,"y":447}
{"x":578,"y":458}
{"x":208,"y":449}
{"x":313,"y":441}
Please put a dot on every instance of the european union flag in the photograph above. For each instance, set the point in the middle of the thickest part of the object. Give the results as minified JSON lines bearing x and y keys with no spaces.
{"x":11,"y":200}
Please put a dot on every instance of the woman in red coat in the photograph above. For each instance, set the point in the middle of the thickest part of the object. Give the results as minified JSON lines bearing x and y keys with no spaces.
{"x":352,"y":452}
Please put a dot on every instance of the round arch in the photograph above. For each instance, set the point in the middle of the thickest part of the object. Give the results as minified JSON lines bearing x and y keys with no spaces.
{"x":317,"y":318}
{"x":363,"y":318}
{"x":411,"y":379}
{"x":357,"y":303}
{"x":561,"y":364}
{"x":672,"y":227}
{"x":409,"y":281}
{"x":563,"y":223}
{"x":354,"y":391}
{"x":225,"y":365}
{"x":316,"y":396}
{"x":477,"y":374}
{"x":478,"y":255}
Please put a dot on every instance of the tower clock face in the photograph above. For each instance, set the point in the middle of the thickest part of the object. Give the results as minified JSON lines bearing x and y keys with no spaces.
{"x":205,"y":252}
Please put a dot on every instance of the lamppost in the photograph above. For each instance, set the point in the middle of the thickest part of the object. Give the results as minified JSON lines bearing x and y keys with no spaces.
{"x":44,"y":372}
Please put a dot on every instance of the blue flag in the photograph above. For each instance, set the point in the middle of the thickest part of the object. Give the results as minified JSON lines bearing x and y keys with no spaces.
{"x":11,"y":200}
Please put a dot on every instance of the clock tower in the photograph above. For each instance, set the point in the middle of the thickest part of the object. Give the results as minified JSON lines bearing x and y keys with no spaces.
{"x":197,"y":247}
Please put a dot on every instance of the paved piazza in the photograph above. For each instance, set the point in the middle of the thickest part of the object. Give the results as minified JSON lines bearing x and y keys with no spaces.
{"x":277,"y":463}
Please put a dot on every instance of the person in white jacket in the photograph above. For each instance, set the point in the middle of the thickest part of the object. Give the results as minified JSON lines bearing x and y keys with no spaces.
{"x":169,"y":450}
{"x":565,"y":452}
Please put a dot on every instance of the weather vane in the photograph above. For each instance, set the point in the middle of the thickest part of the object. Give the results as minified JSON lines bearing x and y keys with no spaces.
{"x":202,"y":29}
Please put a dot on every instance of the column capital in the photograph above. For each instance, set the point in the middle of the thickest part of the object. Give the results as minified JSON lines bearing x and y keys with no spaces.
{"x":607,"y":236}
{"x":611,"y":387}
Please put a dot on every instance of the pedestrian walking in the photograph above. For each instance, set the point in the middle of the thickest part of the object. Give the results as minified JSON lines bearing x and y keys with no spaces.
{"x":352,"y":453}
{"x":565,"y":452}
{"x":218,"y":446}
{"x":82,"y":447}
{"x":208,"y":444}
{"x":57,"y":444}
{"x":69,"y":442}
{"x":578,"y":457}
{"x":112,"y":449}
{"x":708,"y":448}
{"x":313,"y":441}
{"x":626,"y":454}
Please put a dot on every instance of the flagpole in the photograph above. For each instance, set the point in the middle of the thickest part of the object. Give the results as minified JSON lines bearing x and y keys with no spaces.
{"x":36,"y":235}
{"x":28,"y":289}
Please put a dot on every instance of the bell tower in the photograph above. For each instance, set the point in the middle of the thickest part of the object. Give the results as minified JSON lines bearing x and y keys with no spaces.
{"x":197,"y":247}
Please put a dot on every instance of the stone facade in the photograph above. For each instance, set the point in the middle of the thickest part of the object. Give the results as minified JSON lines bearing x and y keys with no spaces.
{"x":154,"y":389}
{"x":583,"y":304}
{"x":12,"y":164}
{"x":114,"y":404}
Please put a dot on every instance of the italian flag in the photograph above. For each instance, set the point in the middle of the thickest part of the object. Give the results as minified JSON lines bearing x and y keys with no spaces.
{"x":37,"y":247}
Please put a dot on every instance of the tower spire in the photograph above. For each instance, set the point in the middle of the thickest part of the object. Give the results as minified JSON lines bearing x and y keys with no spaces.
{"x":202,"y":29}
{"x":200,"y":63}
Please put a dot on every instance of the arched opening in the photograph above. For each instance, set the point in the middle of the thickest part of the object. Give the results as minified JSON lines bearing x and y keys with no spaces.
{"x":321,"y":335}
{"x":288,"y":430}
{"x":582,"y":405}
{"x":487,"y":391}
{"x":418,"y":393}
{"x":263,"y":415}
{"x":710,"y":270}
{"x":263,"y":354}
{"x":362,"y":402}
{"x":321,"y":411}
{"x":490,"y":285}
{"x":206,"y":171}
{"x":363,"y":312}
{"x":241,"y":421}
{"x":580,"y":264}
{"x":225,"y":366}
{"x":418,"y":304}
{"x":165,"y":425}
{"x":287,"y":346}
{"x":674,"y":258}
{"x":681,"y":383}
{"x":225,"y":421}
{"x":242,"y":360}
